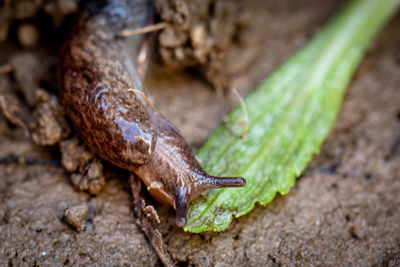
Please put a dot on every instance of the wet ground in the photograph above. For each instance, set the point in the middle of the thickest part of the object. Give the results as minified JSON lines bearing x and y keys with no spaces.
{"x":344,"y":210}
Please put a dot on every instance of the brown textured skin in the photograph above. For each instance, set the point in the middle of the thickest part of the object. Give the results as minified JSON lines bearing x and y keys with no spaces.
{"x":95,"y":96}
{"x":118,"y":124}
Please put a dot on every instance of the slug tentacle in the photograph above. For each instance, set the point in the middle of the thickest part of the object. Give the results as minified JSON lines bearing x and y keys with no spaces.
{"x":203,"y":182}
{"x":221,"y":182}
{"x":181,"y":204}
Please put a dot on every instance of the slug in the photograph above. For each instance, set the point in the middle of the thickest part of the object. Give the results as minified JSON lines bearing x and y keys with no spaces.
{"x":97,"y":70}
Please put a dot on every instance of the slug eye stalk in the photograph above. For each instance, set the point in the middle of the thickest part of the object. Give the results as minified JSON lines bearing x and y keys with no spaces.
{"x":182,"y":198}
{"x":181,"y":204}
{"x":222,"y":182}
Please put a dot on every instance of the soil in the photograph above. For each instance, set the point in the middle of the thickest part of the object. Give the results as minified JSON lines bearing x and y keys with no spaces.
{"x":344,"y":210}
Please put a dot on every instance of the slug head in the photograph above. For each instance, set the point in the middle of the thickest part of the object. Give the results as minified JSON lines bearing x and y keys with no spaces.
{"x":173,"y":176}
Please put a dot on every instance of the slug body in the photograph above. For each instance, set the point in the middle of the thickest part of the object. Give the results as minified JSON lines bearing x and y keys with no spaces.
{"x":97,"y":70}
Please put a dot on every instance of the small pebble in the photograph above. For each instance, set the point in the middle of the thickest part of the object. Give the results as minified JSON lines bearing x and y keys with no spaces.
{"x":28,"y":35}
{"x":77,"y":216}
{"x":198,"y":36}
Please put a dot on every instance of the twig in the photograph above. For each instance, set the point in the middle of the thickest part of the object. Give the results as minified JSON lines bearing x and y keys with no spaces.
{"x":11,"y":118}
{"x":147,"y":219}
{"x":243,"y":120}
{"x":143,"y":95}
{"x":150,"y":28}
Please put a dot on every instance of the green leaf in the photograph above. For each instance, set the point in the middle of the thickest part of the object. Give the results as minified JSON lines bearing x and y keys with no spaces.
{"x":289,"y":116}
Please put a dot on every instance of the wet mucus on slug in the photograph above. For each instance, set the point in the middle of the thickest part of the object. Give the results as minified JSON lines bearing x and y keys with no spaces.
{"x":97,"y":70}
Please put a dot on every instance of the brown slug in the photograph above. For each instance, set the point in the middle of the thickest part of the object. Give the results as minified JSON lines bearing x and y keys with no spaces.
{"x":97,"y":69}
